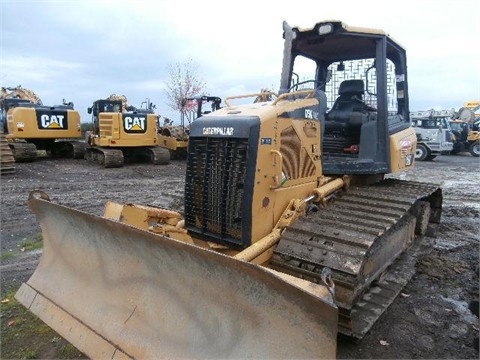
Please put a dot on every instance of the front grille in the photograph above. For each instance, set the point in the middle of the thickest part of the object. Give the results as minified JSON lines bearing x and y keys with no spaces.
{"x":214,"y":188}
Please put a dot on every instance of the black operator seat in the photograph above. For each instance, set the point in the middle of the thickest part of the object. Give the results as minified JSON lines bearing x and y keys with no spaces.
{"x":350,"y":101}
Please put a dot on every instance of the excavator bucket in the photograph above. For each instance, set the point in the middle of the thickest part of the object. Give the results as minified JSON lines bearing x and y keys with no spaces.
{"x":115,"y":291}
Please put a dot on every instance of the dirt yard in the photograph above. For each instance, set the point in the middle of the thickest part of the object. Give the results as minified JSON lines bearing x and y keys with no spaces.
{"x":430,"y":319}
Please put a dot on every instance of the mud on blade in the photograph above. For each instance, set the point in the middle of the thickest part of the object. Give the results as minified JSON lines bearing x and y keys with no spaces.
{"x":118,"y":292}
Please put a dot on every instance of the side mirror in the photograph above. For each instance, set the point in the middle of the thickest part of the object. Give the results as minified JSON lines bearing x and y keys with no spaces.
{"x":89,"y":110}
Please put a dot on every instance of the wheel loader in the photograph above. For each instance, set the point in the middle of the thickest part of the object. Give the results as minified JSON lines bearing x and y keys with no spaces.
{"x":175,"y":138}
{"x":121,"y":131}
{"x":292,"y":231}
{"x":30,"y":126}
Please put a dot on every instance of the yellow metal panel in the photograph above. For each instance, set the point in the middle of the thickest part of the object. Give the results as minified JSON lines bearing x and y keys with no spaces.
{"x":22,"y":124}
{"x":288,"y":166}
{"x":402,"y":150}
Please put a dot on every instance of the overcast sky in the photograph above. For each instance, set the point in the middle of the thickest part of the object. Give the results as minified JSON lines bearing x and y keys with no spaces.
{"x":86,"y":50}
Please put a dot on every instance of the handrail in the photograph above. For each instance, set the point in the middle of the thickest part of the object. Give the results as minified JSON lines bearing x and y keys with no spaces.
{"x":247,"y":96}
{"x":308,"y":93}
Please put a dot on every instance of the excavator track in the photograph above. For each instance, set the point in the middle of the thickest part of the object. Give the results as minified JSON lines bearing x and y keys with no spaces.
{"x":78,"y":149}
{"x":69,"y":149}
{"x":159,"y":155}
{"x":109,"y":158}
{"x":23,"y":151}
{"x":366,"y":237}
{"x":7,"y":161}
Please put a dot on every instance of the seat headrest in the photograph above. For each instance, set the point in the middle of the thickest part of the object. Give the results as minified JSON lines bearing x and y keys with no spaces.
{"x":351,"y":87}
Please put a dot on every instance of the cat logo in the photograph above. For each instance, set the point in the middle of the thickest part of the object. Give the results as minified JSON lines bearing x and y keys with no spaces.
{"x":52,"y":120}
{"x":135,"y":123}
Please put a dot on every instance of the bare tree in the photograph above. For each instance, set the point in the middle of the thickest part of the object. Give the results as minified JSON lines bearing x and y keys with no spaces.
{"x":183,"y":82}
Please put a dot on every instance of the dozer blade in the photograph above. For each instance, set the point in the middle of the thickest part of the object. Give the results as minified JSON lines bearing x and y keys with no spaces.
{"x":118,"y":292}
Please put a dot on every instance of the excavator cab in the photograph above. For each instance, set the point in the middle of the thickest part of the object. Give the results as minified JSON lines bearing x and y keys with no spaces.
{"x":7,"y":104}
{"x":103,"y":106}
{"x":363,"y":75}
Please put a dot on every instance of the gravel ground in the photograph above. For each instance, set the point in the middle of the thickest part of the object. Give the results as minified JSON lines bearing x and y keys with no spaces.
{"x":431,"y":319}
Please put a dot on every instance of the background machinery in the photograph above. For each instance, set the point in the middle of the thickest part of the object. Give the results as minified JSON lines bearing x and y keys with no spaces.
{"x":7,"y":161}
{"x":469,"y":112}
{"x":121,"y":131}
{"x":30,"y":126}
{"x":465,"y":125}
{"x":174,"y":137}
{"x":434,"y":134}
{"x":291,"y":230}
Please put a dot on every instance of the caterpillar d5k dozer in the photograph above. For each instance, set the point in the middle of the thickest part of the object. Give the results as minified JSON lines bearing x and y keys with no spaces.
{"x":291,"y":231}
{"x":121,"y":131}
{"x":30,"y":126}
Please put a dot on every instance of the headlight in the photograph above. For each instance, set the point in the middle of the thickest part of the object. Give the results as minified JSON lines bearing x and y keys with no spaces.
{"x":325,"y":29}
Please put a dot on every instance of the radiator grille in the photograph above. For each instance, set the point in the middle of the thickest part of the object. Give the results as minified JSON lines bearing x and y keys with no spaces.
{"x":214,"y":188}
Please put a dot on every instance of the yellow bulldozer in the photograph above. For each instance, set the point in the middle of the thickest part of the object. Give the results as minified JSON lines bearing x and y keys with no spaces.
{"x":30,"y":126}
{"x":121,"y":131}
{"x":292,"y":229}
{"x":175,"y":137}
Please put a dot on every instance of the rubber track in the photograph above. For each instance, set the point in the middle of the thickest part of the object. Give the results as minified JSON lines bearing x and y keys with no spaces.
{"x":347,"y":237}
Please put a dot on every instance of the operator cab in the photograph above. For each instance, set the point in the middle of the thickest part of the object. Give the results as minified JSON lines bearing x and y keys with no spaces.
{"x":360,"y":75}
{"x":103,"y":106}
{"x":10,"y":103}
{"x":476,"y":125}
